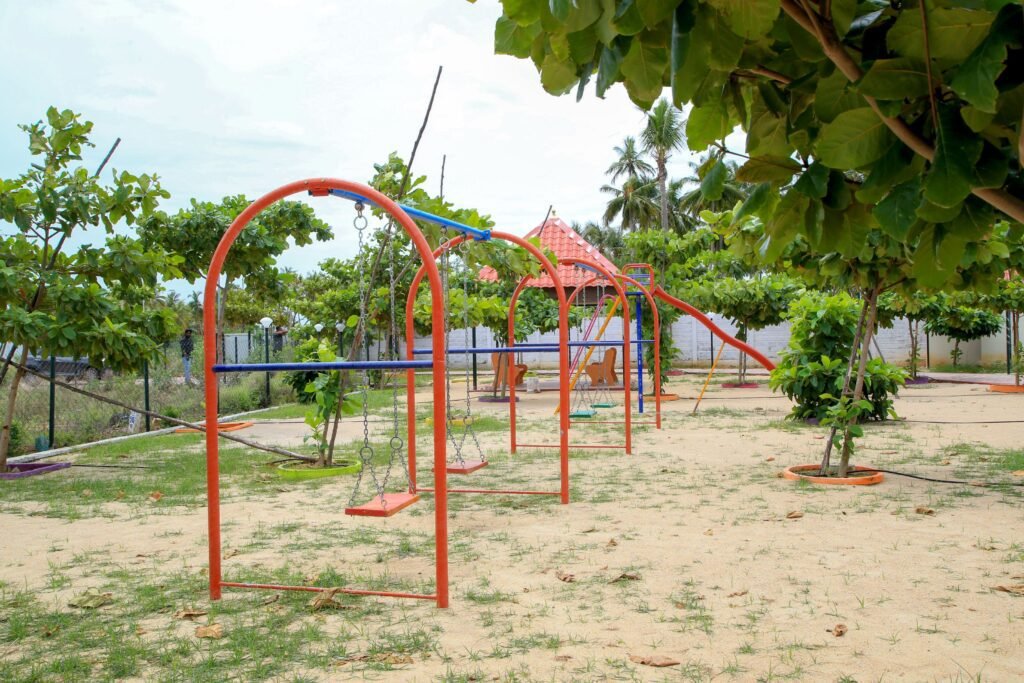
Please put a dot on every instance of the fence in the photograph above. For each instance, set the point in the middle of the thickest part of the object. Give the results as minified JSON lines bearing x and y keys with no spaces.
{"x":53,"y":416}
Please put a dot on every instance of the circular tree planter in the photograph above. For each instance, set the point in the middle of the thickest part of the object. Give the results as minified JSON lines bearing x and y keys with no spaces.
{"x":675,"y":373}
{"x":221,"y":427}
{"x":495,"y":399}
{"x":740,"y":385}
{"x":305,"y":472}
{"x":1006,"y":388}
{"x":868,"y":476}
{"x":31,"y":469}
{"x":664,"y":397}
{"x":920,"y":379}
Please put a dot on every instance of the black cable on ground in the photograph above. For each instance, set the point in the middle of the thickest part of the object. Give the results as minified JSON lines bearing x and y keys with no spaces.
{"x":115,"y":467}
{"x":962,"y":422}
{"x":943,"y":481}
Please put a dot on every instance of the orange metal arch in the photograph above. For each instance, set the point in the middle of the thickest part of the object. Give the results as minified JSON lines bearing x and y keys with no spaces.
{"x":563,"y":355}
{"x":322,"y":186}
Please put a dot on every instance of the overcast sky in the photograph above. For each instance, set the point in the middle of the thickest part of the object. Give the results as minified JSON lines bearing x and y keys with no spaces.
{"x":240,"y":97}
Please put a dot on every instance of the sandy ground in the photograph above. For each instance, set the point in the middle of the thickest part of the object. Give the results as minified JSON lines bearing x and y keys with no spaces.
{"x":691,"y":548}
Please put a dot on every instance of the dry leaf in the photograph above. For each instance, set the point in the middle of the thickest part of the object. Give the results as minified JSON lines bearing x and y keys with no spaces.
{"x":50,"y":631}
{"x":709,"y":532}
{"x":155,"y":496}
{"x":795,"y":514}
{"x":839,"y":630}
{"x":653,"y":660}
{"x":120,"y":494}
{"x":91,"y":599}
{"x":922,"y":510}
{"x":325,"y":600}
{"x":612,"y":543}
{"x":737,"y":594}
{"x":1017,"y":473}
{"x":589,"y":530}
{"x":563,"y":658}
{"x":139,"y":631}
{"x":944,"y":462}
{"x":626,"y":576}
{"x":271,"y":600}
{"x":770,"y":458}
{"x":211,"y":631}
{"x":231,"y":553}
{"x":1012,"y":589}
{"x":86,"y":493}
{"x":190,"y":614}
{"x":565,"y":576}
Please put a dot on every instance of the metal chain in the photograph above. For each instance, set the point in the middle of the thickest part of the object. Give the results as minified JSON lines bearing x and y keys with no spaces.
{"x":397,"y":445}
{"x":445,"y":273}
{"x":359,"y":223}
{"x":465,"y":344}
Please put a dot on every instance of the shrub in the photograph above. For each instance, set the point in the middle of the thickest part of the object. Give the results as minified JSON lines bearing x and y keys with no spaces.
{"x":813,"y":366}
{"x":299,"y":380}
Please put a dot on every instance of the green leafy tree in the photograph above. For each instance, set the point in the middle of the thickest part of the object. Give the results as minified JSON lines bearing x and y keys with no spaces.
{"x":634,"y":204}
{"x":662,"y":136}
{"x":917,"y":100}
{"x":961,"y":323}
{"x":715,"y":187}
{"x":88,"y":301}
{"x":1010,"y":298}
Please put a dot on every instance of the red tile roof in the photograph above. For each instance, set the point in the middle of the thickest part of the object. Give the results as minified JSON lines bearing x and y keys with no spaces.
{"x":564,"y":242}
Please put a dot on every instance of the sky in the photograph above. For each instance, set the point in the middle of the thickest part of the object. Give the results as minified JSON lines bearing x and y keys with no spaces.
{"x":228,"y":97}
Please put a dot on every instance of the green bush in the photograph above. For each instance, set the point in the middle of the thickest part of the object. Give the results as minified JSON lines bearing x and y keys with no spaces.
{"x":298,"y":380}
{"x":813,"y":366}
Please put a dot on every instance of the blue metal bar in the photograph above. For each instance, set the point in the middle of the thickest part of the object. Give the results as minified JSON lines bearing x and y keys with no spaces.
{"x":318,"y":367}
{"x":475,"y":233}
{"x":583,"y":266}
{"x":640,"y":353}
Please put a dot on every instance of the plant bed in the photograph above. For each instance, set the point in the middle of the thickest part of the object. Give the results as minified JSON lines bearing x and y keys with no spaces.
{"x":495,"y":399}
{"x":306,"y":471}
{"x":30,"y":469}
{"x":221,"y":427}
{"x":1006,"y":388}
{"x":740,"y":385}
{"x":664,"y":397}
{"x":859,"y":476}
{"x":675,"y":373}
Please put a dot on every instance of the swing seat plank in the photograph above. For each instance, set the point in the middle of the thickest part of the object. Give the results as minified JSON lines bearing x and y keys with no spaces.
{"x":466,"y":467}
{"x":602,"y":405}
{"x":583,"y":413}
{"x":384,"y":506}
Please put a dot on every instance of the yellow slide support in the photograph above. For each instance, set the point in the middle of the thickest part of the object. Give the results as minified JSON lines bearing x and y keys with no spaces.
{"x":590,"y":351}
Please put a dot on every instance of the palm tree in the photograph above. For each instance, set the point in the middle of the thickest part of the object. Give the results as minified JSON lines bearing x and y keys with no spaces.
{"x":635,"y":202}
{"x":606,"y":240}
{"x":630,"y":162}
{"x":662,"y":136}
{"x":693,"y":202}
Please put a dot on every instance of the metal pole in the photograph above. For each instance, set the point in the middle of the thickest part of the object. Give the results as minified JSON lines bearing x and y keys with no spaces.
{"x":639,"y":355}
{"x":341,"y":341}
{"x":53,"y":401}
{"x":235,"y":359}
{"x":266,"y":356}
{"x":1009,"y":346}
{"x":145,"y":393}
{"x":927,"y":350}
{"x":474,"y":358}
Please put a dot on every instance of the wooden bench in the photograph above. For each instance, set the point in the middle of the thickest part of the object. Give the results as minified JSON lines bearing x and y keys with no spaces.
{"x":603,"y":372}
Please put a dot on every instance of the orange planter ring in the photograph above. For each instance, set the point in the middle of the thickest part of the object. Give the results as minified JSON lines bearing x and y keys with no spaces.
{"x":221,"y":427}
{"x":669,"y":397}
{"x":794,"y":471}
{"x":1006,"y":388}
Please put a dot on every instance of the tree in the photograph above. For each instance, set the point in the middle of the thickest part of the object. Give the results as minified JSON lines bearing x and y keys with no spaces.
{"x":606,"y":240}
{"x":663,"y":135}
{"x":961,"y":323}
{"x":916,"y":97}
{"x":629,"y":162}
{"x":195,"y":232}
{"x":716,"y":188}
{"x":635,"y":203}
{"x":1010,"y":298}
{"x":88,"y":301}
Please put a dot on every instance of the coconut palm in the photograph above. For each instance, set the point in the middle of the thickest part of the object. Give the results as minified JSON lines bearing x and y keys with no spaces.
{"x":630,"y":162}
{"x":662,"y":136}
{"x":605,"y":239}
{"x":692,"y":202}
{"x":635,"y":203}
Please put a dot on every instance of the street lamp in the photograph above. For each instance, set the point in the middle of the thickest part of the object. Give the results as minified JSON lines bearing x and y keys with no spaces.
{"x":340,"y":327}
{"x":318,"y":327}
{"x":266,"y":322}
{"x":711,"y":335}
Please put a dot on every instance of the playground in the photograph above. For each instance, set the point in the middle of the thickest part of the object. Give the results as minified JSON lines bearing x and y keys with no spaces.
{"x":711,"y":561}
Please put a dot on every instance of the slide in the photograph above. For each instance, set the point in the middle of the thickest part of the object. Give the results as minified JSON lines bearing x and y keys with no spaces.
{"x":660,"y":293}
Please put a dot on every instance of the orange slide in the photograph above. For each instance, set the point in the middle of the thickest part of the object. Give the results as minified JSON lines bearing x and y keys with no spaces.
{"x":717,"y":331}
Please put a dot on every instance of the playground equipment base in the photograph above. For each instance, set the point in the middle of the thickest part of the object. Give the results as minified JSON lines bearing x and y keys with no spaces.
{"x":868,"y":478}
{"x":920,"y":379}
{"x":495,"y":399}
{"x":295,"y":472}
{"x":1006,"y":389}
{"x":221,"y":427}
{"x":31,"y":469}
{"x":466,"y":467}
{"x":384,"y":506}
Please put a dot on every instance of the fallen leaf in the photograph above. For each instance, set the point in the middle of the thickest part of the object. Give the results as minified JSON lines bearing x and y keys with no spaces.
{"x":211,"y":631}
{"x":944,"y":462}
{"x":325,"y":600}
{"x":738,"y":594}
{"x":50,"y":631}
{"x":590,"y":530}
{"x":139,"y":631}
{"x":563,"y":658}
{"x":271,"y":600}
{"x":795,"y":514}
{"x":626,"y":576}
{"x":155,"y":496}
{"x":709,"y":532}
{"x":565,"y":576}
{"x":770,"y":458}
{"x":91,"y":599}
{"x":653,"y":660}
{"x":1017,"y":473}
{"x":839,"y":630}
{"x":86,"y":493}
{"x":120,"y":494}
{"x":922,"y":510}
{"x":190,"y":614}
{"x":612,"y":543}
{"x":1012,"y":589}
{"x":231,"y":553}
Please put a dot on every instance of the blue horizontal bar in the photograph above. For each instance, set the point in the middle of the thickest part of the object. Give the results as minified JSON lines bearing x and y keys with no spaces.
{"x":583,"y":266}
{"x":477,"y":234}
{"x":317,"y":367}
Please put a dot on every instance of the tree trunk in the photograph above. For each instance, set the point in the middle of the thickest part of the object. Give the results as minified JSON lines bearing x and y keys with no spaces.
{"x":851,"y":359}
{"x":858,"y":390}
{"x":1018,"y":348}
{"x":913,"y":348}
{"x":956,"y":352}
{"x":662,"y":177}
{"x":12,"y":399}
